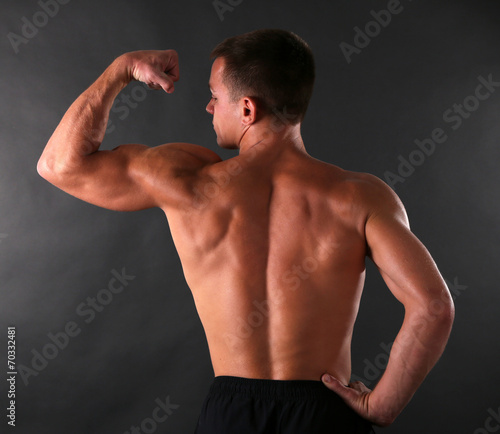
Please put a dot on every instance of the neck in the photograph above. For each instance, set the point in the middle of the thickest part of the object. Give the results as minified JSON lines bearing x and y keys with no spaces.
{"x":271,"y":135}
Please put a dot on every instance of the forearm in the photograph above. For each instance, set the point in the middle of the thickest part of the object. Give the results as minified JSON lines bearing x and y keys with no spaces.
{"x":416,"y":349}
{"x":82,"y":129}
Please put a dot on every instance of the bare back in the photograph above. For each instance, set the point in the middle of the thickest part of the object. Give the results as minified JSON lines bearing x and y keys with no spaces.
{"x":272,"y":242}
{"x":273,"y":250}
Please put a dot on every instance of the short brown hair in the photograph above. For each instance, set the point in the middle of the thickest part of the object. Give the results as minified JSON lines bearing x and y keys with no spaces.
{"x":276,"y":67}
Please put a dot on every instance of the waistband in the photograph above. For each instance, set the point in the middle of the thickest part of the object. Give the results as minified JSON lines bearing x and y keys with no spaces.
{"x":275,"y":389}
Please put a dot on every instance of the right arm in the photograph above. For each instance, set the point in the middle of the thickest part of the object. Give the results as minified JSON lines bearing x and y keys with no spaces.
{"x":130,"y":177}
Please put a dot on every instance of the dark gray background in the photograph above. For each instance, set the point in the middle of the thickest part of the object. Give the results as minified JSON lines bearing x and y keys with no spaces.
{"x":148,"y":343}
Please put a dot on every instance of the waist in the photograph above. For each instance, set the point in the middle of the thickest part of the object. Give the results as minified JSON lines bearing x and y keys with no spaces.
{"x":270,"y":389}
{"x":258,"y":357}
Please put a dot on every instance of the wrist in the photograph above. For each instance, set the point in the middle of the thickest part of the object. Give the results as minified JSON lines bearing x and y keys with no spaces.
{"x":384,"y":406}
{"x":122,"y":69}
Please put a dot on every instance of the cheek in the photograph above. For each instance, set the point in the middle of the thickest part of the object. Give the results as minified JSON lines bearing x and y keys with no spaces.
{"x":231,"y":115}
{"x":225,"y":115}
{"x":220,"y":114}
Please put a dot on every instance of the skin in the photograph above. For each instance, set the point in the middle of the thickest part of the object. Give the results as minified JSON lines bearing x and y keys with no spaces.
{"x":272,"y":241}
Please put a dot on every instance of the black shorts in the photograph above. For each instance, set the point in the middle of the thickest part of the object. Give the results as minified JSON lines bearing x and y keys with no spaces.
{"x":246,"y":406}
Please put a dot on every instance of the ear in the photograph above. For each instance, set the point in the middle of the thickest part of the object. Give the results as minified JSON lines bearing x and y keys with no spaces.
{"x":248,"y":107}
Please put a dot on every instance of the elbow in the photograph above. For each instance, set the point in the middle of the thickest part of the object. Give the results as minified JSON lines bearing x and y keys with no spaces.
{"x":447,"y":312}
{"x":440,"y":312}
{"x":444,"y":323}
{"x":46,"y":170}
{"x":436,"y":313}
{"x":52,"y":171}
{"x":384,"y":423}
{"x":42,"y":168}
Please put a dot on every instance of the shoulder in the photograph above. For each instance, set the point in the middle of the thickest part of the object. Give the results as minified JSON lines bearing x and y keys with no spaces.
{"x":176,"y":160}
{"x":373,"y":197}
{"x":367,"y":184}
{"x":381,"y":200}
{"x":180,"y":166}
{"x":187,"y":151}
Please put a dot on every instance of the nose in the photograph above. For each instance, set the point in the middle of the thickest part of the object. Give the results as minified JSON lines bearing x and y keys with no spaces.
{"x":210,"y":107}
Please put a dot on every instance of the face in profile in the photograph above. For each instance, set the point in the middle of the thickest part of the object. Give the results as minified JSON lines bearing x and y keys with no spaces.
{"x":226,"y":114}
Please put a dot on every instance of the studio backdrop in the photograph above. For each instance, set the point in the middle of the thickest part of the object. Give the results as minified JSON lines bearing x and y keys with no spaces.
{"x":98,"y":329}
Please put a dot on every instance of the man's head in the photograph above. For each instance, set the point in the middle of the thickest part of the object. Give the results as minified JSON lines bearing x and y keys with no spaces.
{"x":256,"y":75}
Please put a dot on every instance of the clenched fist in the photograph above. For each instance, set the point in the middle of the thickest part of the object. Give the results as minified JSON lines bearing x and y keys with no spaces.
{"x":159,"y":69}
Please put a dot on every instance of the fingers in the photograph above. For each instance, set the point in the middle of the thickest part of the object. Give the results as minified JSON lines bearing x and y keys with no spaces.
{"x":349,"y":394}
{"x":166,"y":73}
{"x":172,"y":67}
{"x":360,"y":387}
{"x":356,"y":396}
{"x":173,"y":71}
{"x":157,"y":69}
{"x":162,"y":81}
{"x":333,"y":384}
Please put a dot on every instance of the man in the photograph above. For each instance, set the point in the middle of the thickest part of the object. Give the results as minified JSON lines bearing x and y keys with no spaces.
{"x":272,"y":242}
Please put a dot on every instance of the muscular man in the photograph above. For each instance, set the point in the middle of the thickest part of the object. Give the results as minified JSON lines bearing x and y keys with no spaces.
{"x":272,"y":241}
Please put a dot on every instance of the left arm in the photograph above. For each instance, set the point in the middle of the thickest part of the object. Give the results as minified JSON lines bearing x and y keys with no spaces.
{"x":414,"y":279}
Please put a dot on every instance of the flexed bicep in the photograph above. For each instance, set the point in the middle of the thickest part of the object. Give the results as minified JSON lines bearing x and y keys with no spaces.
{"x":116,"y":179}
{"x":133,"y":177}
{"x":130,"y":177}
